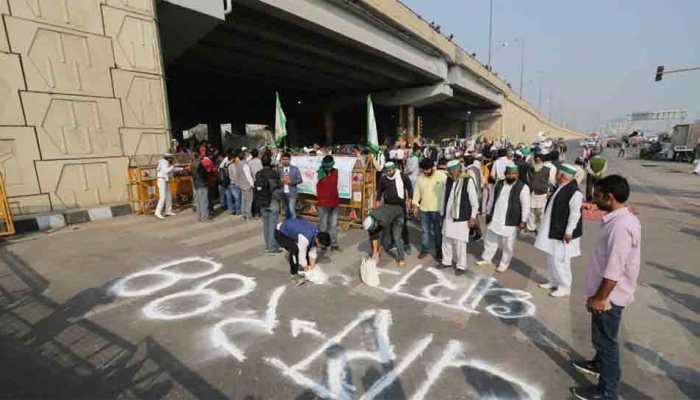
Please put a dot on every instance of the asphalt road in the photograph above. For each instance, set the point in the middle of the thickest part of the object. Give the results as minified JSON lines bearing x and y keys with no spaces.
{"x":214,"y":318}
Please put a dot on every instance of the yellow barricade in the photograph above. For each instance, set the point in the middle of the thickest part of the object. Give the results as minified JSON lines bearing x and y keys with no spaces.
{"x":7,"y":227}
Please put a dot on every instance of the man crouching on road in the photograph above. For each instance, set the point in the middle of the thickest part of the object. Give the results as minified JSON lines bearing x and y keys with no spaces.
{"x":300,"y":238}
{"x":383,"y":224}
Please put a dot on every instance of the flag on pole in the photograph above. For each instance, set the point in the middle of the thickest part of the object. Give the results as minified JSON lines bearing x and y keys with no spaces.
{"x":372,"y":138}
{"x":280,"y":122}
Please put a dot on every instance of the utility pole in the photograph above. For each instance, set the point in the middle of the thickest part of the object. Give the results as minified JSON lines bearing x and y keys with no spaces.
{"x":490,"y":32}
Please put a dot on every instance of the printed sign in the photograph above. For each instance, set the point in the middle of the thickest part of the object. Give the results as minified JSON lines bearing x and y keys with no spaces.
{"x":308,"y":165}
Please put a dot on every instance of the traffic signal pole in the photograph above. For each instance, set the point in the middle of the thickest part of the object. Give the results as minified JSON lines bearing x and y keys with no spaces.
{"x":660,"y":71}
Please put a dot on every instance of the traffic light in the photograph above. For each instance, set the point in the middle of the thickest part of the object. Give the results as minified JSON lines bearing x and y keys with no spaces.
{"x":659,"y":73}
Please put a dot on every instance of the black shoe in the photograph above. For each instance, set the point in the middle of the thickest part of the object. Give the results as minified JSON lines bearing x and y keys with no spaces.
{"x":460,"y":272}
{"x":586,"y":393}
{"x":589,"y":368}
{"x":335,"y":248}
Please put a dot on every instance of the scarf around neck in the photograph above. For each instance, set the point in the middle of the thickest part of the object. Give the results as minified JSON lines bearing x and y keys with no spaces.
{"x":398,"y":182}
{"x":457,"y":196}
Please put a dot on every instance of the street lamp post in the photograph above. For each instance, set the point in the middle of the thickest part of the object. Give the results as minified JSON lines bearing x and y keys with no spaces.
{"x":522,"y":65}
{"x":490,"y":31}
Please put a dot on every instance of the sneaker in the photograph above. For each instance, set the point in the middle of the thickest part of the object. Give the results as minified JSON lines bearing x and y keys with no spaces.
{"x":546,"y":285}
{"x":587,"y":367}
{"x":170,"y":214}
{"x":460,"y":271}
{"x":159,"y":216}
{"x":502,"y":268}
{"x":586,"y":393}
{"x":422,"y":255}
{"x":401,"y":264}
{"x":483,"y":263}
{"x":560,"y":292}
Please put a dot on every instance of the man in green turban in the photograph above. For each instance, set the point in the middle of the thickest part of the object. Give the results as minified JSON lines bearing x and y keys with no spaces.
{"x":595,"y":170}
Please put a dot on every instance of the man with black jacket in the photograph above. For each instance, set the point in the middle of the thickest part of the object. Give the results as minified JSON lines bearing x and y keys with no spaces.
{"x":267,"y":193}
{"x":395,"y":190}
{"x":560,"y":231}
{"x":459,"y":209}
{"x":506,"y":213}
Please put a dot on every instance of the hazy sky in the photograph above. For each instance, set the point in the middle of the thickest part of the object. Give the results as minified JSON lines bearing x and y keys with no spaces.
{"x":595,"y":59}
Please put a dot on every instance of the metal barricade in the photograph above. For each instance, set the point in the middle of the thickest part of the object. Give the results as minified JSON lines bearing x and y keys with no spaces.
{"x":143,"y":187}
{"x":7,"y":227}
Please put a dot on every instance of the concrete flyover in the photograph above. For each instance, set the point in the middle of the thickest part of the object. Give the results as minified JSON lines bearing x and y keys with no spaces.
{"x":129,"y":74}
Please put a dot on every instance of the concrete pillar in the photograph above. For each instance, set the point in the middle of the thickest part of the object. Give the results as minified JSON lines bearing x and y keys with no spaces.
{"x":214,"y":134}
{"x":407,"y":120}
{"x":329,"y":126}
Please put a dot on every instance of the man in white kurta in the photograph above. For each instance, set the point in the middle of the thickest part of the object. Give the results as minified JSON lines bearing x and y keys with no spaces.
{"x":164,"y":172}
{"x":499,"y":230}
{"x":560,"y":252}
{"x":455,"y":227}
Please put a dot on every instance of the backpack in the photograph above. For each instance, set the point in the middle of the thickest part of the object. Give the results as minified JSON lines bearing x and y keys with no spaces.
{"x":262,"y":192}
{"x":200,"y":171}
{"x":224,"y":179}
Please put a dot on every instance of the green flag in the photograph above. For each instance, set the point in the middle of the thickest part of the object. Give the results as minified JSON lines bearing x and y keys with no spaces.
{"x":372,"y":140}
{"x":280,"y":122}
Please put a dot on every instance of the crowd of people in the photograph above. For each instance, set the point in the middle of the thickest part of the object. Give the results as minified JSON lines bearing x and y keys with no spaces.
{"x":449,"y":192}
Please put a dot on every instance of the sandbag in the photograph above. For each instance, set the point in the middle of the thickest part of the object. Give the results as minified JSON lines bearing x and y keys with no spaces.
{"x":368,"y":271}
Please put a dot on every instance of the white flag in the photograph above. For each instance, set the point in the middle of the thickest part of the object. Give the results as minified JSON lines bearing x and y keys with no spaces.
{"x":372,"y":140}
{"x":280,"y":122}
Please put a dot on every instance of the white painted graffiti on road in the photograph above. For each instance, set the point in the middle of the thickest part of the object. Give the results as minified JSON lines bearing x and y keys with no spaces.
{"x":336,"y":383}
{"x":221,"y":337}
{"x":163,"y":307}
{"x":166,"y":275}
{"x":509,"y":303}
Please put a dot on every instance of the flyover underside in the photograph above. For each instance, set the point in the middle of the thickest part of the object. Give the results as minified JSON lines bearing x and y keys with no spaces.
{"x":232,"y":73}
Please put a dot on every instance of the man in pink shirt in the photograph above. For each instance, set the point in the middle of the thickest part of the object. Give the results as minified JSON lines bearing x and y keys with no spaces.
{"x":611,"y":279}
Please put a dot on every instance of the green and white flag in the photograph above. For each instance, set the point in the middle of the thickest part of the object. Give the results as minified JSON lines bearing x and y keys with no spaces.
{"x":372,"y":140}
{"x":280,"y":122}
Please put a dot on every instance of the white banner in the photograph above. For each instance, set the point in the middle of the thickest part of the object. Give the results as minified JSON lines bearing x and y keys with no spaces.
{"x":308,"y":165}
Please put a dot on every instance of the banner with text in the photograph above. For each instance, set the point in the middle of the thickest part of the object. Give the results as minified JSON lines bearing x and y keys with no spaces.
{"x":308,"y":165}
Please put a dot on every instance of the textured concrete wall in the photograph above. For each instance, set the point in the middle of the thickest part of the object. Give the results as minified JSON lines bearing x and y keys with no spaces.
{"x":81,"y":89}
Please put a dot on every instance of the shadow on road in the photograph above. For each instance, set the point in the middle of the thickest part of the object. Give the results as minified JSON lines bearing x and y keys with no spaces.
{"x":686,"y":379}
{"x":692,"y":326}
{"x":690,"y":301}
{"x":677,"y":274}
{"x":55,"y":354}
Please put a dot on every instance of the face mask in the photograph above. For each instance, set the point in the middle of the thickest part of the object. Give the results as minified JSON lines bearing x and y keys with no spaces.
{"x":511,"y":180}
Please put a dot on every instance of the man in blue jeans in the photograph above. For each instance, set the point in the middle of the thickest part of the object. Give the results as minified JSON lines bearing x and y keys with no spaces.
{"x":611,"y":279}
{"x":290,"y":177}
{"x":267,"y":194}
{"x":427,"y":201}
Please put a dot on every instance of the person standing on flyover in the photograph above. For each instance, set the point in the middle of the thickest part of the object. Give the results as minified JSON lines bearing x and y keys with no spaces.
{"x":560,"y":232}
{"x":611,"y":279}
